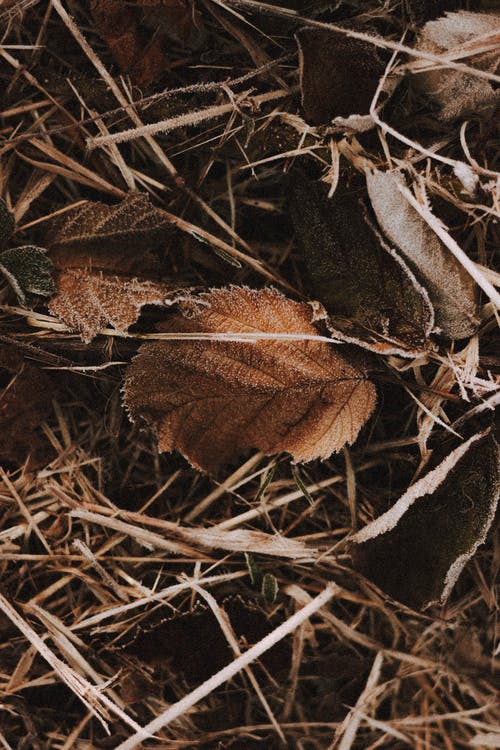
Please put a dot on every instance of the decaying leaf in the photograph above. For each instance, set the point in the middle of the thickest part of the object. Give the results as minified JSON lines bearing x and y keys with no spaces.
{"x":134,"y":224}
{"x":116,"y":22}
{"x":90,"y":301}
{"x":169,"y":644}
{"x":211,"y":400}
{"x":104,"y":272}
{"x":25,"y":401}
{"x":28,"y":271}
{"x":457,"y":93}
{"x":417,"y":549}
{"x":339,"y":76}
{"x":370,"y":294}
{"x":7,"y":222}
{"x":451,"y":289}
{"x":138,"y":53}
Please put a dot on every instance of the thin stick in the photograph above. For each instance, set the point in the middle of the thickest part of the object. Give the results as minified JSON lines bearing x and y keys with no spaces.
{"x":178,"y":709}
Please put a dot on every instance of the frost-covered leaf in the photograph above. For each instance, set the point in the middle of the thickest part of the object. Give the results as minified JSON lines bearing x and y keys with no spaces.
{"x":417,"y":549}
{"x":90,"y":301}
{"x":451,"y":289}
{"x":371,"y":296}
{"x":28,"y":271}
{"x":457,"y":93}
{"x":25,"y":401}
{"x":105,"y":273}
{"x":7,"y":222}
{"x":338,"y":77}
{"x":211,"y":400}
{"x":134,"y":224}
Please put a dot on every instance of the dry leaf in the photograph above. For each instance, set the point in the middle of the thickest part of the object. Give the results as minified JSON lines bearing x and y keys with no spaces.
{"x":418,"y":549}
{"x":28,"y":271}
{"x":134,"y":224}
{"x":25,"y":401}
{"x":211,"y":400}
{"x":90,"y":301}
{"x":371,"y":296}
{"x":116,"y":22}
{"x":99,"y":252}
{"x":458,"y":93}
{"x":139,"y":53}
{"x":451,"y":289}
{"x":169,"y":644}
{"x":329,"y":63}
{"x":420,"y":11}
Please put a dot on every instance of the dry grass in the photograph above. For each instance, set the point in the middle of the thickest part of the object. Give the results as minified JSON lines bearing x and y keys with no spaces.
{"x":110,"y":537}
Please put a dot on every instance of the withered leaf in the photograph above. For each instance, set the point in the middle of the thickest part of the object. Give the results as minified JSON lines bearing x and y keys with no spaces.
{"x":25,"y":401}
{"x":457,"y":93}
{"x":417,"y":550}
{"x":170,"y":643}
{"x":88,"y":301}
{"x":211,"y":400}
{"x":134,"y":224}
{"x":116,"y":22}
{"x":338,"y":77}
{"x":142,"y":55}
{"x":104,"y":271}
{"x":451,"y":289}
{"x":370,"y":294}
{"x":28,"y":271}
{"x":7,"y":222}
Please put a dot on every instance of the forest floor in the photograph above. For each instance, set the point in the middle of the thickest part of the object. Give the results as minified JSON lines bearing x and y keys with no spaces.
{"x":249,"y":366}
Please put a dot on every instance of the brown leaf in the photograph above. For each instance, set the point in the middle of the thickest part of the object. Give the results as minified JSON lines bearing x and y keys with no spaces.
{"x":25,"y":401}
{"x":103,"y":266}
{"x":370,"y":294}
{"x":90,"y":301}
{"x":417,"y":550}
{"x":451,"y":289}
{"x":116,"y":22}
{"x":338,"y":76}
{"x":138,"y":53}
{"x":134,"y":224}
{"x":457,"y":93}
{"x":211,"y":400}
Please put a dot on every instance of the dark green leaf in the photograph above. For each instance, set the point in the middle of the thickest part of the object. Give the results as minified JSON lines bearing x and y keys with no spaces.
{"x":371,"y":296}
{"x":417,"y":550}
{"x":28,"y":271}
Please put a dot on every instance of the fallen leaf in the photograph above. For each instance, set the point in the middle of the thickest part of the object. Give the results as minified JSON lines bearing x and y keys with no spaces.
{"x":213,"y":399}
{"x":371,"y":296}
{"x":133,"y":224}
{"x":329,"y":62}
{"x":457,"y":93}
{"x":170,"y":642}
{"x":25,"y":401}
{"x":451,"y":289}
{"x":417,"y":550}
{"x":90,"y":301}
{"x":136,"y":33}
{"x":103,"y":267}
{"x":7,"y":222}
{"x":116,"y":22}
{"x":420,"y":11}
{"x":28,"y":271}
